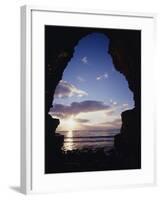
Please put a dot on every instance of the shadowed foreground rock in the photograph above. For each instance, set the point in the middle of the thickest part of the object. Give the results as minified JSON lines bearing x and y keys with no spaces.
{"x":128,"y":142}
{"x":53,"y":143}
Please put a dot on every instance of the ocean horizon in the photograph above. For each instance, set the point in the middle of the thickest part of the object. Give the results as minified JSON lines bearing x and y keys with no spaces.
{"x":88,"y":139}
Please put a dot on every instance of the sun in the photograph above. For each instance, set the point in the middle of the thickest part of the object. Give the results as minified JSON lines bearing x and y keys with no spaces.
{"x":70,"y":123}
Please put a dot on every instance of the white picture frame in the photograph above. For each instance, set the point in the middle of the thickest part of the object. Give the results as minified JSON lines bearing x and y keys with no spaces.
{"x":33,"y":179}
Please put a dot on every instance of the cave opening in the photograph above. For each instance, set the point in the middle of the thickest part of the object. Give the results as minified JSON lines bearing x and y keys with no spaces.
{"x":92,"y":99}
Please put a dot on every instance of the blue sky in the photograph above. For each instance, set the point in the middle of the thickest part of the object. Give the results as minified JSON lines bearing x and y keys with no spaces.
{"x":90,"y":79}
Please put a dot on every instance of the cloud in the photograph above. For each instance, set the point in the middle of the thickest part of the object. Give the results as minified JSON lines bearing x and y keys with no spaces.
{"x":116,"y":123}
{"x":102,"y":77}
{"x":77,"y":107}
{"x":65,"y":89}
{"x":80,"y":79}
{"x":84,"y":60}
{"x":112,"y":126}
{"x":82,"y":120}
{"x":110,"y":112}
{"x":113,"y":102}
{"x":125,"y":105}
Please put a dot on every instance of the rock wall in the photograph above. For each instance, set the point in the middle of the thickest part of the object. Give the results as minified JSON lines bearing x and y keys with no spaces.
{"x":125,"y":51}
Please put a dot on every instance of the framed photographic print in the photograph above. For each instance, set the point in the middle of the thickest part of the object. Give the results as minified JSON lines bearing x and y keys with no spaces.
{"x":87,"y":99}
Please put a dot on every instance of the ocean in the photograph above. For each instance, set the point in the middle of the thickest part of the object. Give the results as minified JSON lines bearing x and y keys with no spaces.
{"x":91,"y":139}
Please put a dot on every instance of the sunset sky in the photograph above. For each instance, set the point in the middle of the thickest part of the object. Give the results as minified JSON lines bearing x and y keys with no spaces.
{"x":91,"y":94}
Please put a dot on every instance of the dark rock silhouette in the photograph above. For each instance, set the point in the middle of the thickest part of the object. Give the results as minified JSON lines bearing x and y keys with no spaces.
{"x":53,"y":143}
{"x":125,"y":50}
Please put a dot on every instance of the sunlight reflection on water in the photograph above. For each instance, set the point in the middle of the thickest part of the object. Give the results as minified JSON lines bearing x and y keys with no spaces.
{"x":69,"y":146}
